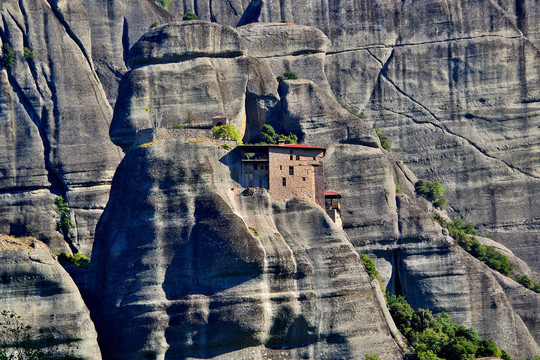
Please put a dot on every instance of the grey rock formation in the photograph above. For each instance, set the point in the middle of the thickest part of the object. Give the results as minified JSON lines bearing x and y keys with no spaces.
{"x":35,"y":287}
{"x":291,"y":48}
{"x":55,"y":120}
{"x":115,"y":27}
{"x":177,"y":273}
{"x":186,"y":80}
{"x":447,"y":81}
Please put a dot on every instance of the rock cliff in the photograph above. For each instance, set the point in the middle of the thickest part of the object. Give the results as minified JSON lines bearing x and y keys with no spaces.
{"x":177,"y":272}
{"x":35,"y":287}
{"x":55,"y":121}
{"x":187,"y":73}
{"x":454,"y":84}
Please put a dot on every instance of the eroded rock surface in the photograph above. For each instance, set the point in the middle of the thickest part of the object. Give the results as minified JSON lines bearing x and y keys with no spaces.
{"x":55,"y":120}
{"x":35,"y":287}
{"x":186,"y":80}
{"x":177,"y":272}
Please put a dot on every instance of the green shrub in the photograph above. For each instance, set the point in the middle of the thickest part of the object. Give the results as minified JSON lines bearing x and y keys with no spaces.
{"x":487,"y":254}
{"x":178,"y":127}
{"x":383,"y":138}
{"x":432,"y":191}
{"x":398,"y":188}
{"x":28,"y":53}
{"x":64,"y":224}
{"x":269,"y":136}
{"x":154,"y":24}
{"x":254,"y":231}
{"x":287,"y":76}
{"x":438,"y":338}
{"x":370,"y":267}
{"x":227,"y":132}
{"x":353,"y":111}
{"x":527,"y":282}
{"x":226,"y":146}
{"x":164,"y":3}
{"x":373,"y":357}
{"x":8,"y":56}
{"x":77,"y":259}
{"x":190,"y":16}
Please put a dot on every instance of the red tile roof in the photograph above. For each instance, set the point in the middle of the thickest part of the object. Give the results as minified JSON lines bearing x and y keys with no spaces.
{"x":295,"y":146}
{"x":332,"y":193}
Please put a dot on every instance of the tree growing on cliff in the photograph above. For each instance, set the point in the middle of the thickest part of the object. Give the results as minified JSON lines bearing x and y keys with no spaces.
{"x":227,"y":132}
{"x":269,"y":136}
{"x":432,"y":191}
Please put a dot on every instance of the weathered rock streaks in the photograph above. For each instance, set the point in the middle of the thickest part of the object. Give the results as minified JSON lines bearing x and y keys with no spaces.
{"x":36,"y":288}
{"x":175,"y":261}
{"x":55,"y":121}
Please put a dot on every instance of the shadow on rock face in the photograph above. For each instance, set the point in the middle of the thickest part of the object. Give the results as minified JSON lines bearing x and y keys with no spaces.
{"x":219,"y":256}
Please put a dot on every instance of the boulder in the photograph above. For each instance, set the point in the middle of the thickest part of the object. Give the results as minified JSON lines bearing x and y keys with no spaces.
{"x":40,"y":294}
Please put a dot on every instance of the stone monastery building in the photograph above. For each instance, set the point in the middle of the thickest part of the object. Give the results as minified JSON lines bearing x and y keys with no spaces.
{"x":286,"y":171}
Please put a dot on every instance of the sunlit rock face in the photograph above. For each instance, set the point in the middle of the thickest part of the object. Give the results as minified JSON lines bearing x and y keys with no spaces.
{"x":178,"y":273}
{"x":54,"y":128}
{"x":36,"y":289}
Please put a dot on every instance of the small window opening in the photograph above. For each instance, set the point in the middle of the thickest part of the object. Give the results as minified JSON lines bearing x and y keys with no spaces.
{"x":304,"y":179}
{"x":280,"y":167}
{"x":291,"y":170}
{"x":292,"y":157}
{"x":314,"y":158}
{"x":284,"y":182}
{"x":297,"y":157}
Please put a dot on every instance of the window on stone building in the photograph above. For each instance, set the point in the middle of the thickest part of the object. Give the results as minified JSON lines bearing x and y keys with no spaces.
{"x":291,"y":170}
{"x":280,"y":167}
{"x":303,"y":179}
{"x":297,"y":157}
{"x":314,"y":158}
{"x":284,"y":182}
{"x":292,"y":157}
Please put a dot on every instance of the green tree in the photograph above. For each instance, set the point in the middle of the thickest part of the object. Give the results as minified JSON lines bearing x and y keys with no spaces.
{"x":190,"y":16}
{"x":525,"y":281}
{"x":269,"y":136}
{"x":28,"y":53}
{"x":383,"y":138}
{"x":64,"y":224}
{"x":432,"y":191}
{"x":8,"y":55}
{"x":370,"y":267}
{"x":227,"y":132}
{"x":164,"y":3}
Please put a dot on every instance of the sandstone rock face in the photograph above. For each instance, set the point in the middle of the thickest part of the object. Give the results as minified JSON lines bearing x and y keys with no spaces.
{"x":177,"y":42}
{"x":177,"y":273}
{"x":115,"y":27}
{"x":55,"y":120}
{"x":446,"y":81}
{"x":195,"y":82}
{"x":35,"y":287}
{"x":289,"y":48}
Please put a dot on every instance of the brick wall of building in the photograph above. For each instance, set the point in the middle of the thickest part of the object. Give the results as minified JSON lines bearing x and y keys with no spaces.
{"x":296,"y":173}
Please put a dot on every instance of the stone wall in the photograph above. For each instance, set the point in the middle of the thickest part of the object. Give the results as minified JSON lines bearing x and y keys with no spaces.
{"x":301,"y":184}
{"x":144,"y":136}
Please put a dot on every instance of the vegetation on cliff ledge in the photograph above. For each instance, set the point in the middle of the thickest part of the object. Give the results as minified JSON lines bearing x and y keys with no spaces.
{"x":439,"y":338}
{"x":269,"y":135}
{"x":432,"y":191}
